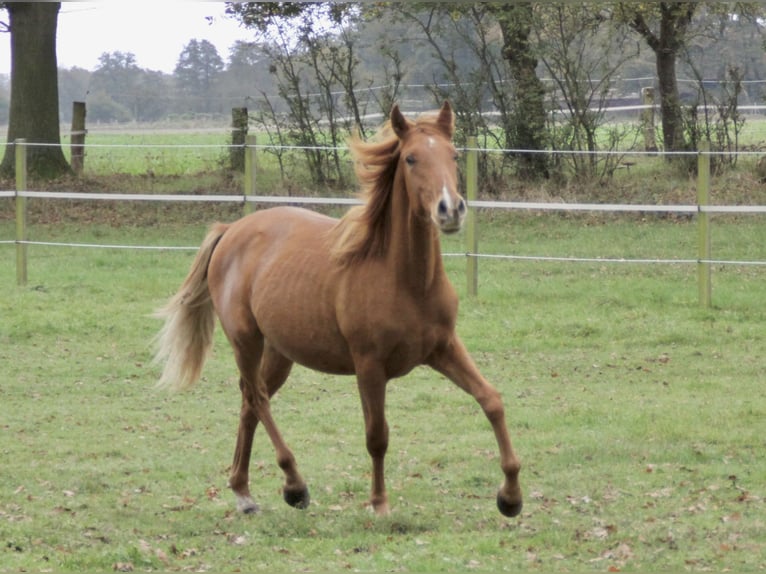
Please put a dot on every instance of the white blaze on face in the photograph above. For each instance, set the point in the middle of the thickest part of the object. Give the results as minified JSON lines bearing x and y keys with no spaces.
{"x":431,"y":142}
{"x":446,"y":197}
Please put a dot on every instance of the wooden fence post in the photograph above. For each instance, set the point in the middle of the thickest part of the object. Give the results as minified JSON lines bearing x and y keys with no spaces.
{"x":647,"y":119}
{"x":471,"y":235}
{"x":77,"y":137}
{"x":21,"y":212}
{"x":239,"y":119}
{"x":703,"y":223}
{"x":249,"y":179}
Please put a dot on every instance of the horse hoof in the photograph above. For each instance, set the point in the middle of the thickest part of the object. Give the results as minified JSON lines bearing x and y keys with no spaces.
{"x":507,"y":508}
{"x":246,"y":505}
{"x":297,"y":499}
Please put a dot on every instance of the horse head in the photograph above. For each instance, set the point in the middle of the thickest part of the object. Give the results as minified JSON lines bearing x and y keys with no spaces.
{"x":428,"y":162}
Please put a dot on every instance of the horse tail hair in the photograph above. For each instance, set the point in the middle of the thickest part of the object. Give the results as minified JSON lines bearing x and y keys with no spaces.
{"x":183,"y":343}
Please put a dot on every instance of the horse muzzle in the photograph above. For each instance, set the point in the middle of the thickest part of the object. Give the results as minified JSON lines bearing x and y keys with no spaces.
{"x":450,"y":213}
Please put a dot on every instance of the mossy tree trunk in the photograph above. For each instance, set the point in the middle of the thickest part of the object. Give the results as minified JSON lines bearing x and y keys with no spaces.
{"x":529,"y":119}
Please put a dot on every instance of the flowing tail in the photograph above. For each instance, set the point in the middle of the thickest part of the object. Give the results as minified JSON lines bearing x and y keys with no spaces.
{"x":183,"y":342}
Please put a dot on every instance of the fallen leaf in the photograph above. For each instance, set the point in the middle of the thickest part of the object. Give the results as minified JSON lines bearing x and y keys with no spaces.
{"x":161,"y":556}
{"x":623,"y":552}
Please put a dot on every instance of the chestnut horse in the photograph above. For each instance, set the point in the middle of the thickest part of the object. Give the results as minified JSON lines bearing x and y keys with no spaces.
{"x":365,"y":295}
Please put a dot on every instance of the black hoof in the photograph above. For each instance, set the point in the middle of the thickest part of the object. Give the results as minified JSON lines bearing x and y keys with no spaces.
{"x":509,"y":509}
{"x":299,"y":499}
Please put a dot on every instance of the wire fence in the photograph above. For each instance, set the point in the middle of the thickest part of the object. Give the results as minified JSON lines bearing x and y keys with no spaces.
{"x":250,"y":198}
{"x":339,"y":201}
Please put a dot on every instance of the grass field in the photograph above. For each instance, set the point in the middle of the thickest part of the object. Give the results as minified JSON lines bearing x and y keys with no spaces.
{"x":639,"y":417}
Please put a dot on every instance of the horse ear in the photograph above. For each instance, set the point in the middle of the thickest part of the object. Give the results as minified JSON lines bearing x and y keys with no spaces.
{"x":399,"y":122}
{"x":446,"y":120}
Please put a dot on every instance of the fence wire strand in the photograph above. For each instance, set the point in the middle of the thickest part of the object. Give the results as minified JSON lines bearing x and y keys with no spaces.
{"x":481,"y":204}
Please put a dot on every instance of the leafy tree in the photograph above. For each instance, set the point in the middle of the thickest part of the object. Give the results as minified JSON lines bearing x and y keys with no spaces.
{"x":522,"y":106}
{"x":102,"y":107}
{"x":34,"y":105}
{"x":515,"y":20}
{"x":248,"y":67}
{"x":197,"y":72}
{"x":116,"y":78}
{"x":74,"y":84}
{"x":154,"y":99}
{"x":670,"y":29}
{"x":664,"y":27}
{"x":471,"y":73}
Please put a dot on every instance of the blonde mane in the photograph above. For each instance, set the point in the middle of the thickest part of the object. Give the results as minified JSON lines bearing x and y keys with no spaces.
{"x":362,"y":233}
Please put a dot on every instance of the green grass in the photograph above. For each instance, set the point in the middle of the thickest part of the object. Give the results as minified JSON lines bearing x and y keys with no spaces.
{"x":153,"y":153}
{"x":638,"y":417}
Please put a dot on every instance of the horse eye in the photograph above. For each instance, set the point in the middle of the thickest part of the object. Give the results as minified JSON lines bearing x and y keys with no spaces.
{"x":456,"y":157}
{"x":410,"y":159}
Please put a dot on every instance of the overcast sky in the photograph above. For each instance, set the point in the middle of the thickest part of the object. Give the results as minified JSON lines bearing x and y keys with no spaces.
{"x":155,"y":32}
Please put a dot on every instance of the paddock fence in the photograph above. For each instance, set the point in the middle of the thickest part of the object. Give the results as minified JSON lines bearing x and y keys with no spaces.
{"x":249,"y":199}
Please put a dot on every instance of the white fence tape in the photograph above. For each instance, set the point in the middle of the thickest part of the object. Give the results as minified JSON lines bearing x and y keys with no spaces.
{"x":483,"y":204}
{"x":299,"y":200}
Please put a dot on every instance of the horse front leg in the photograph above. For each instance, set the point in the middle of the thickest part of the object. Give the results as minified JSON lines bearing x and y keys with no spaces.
{"x":454,"y":362}
{"x":372,"y":390}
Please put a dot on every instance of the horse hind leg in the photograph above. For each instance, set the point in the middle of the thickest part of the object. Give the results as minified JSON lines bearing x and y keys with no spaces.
{"x":239,"y":477}
{"x":275,"y":368}
{"x":263,"y":372}
{"x":248,"y":361}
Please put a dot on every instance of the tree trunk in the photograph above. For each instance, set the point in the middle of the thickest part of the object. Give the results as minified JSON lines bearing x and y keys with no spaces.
{"x":34,"y":109}
{"x":674,"y":21}
{"x":515,"y":19}
{"x":670,"y":101}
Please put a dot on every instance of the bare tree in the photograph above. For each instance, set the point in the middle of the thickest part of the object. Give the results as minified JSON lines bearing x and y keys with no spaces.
{"x":582,"y":53}
{"x":312,"y":67}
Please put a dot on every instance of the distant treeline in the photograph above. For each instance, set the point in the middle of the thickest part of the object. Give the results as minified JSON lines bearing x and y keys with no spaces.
{"x":388,"y":56}
{"x":520,"y":76}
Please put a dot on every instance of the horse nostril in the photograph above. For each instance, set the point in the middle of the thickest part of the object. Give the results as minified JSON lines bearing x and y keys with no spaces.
{"x":443,"y":207}
{"x":461,"y":206}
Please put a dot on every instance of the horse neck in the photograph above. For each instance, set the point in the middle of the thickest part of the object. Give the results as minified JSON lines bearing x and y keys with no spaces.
{"x":414,"y":252}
